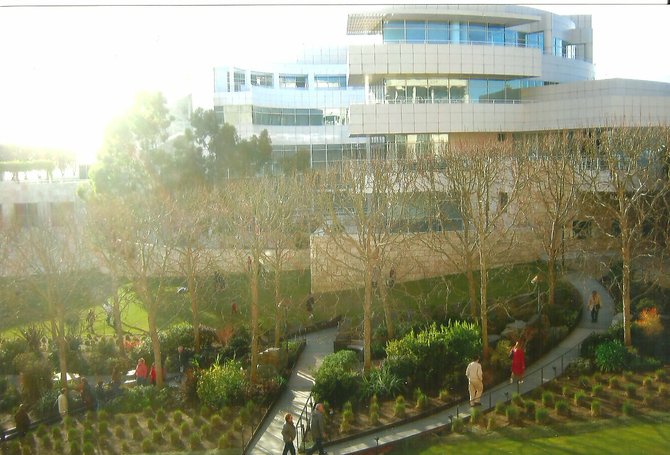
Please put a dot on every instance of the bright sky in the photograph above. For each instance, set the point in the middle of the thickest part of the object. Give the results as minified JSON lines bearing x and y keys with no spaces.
{"x":67,"y":71}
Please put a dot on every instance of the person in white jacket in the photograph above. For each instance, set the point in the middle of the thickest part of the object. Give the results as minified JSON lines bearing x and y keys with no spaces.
{"x":475,"y":381}
{"x":62,"y":403}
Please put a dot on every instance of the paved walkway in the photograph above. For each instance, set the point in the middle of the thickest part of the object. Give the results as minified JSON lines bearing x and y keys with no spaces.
{"x":545,"y":369}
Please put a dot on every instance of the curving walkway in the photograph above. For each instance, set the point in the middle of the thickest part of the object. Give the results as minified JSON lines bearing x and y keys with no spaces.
{"x":544,"y":369}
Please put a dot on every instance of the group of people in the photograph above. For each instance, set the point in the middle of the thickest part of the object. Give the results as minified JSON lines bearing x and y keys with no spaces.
{"x":317,"y":427}
{"x":144,"y":375}
{"x":476,"y":377}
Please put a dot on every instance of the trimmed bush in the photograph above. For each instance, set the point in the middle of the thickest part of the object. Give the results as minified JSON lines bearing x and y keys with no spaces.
{"x":597,"y":377}
{"x":151,"y":424}
{"x":541,"y":415}
{"x":422,"y":402}
{"x":73,"y":434}
{"x":56,"y":434}
{"x":475,"y":416}
{"x":513,"y":415}
{"x":627,"y":408}
{"x":661,"y":375}
{"x":216,"y":421}
{"x":157,"y":436}
{"x":194,"y":440}
{"x":663,"y":391}
{"x":565,"y":391}
{"x":137,"y":434}
{"x":580,"y":398}
{"x":177,"y":417}
{"x":147,"y":446}
{"x":75,"y":448}
{"x":225,"y":441}
{"x":628,"y":376}
{"x":185,"y":429}
{"x":596,"y":408}
{"x":338,"y":378}
{"x":444,"y":395}
{"x":490,"y":423}
{"x":562,"y":407}
{"x":614,"y":382}
{"x":597,"y":390}
{"x":648,"y":383}
{"x":548,"y":399}
{"x":517,"y":399}
{"x":611,"y":356}
{"x":381,"y":382}
{"x":374,"y":417}
{"x":161,"y":416}
{"x":399,"y":408}
{"x":529,"y":405}
{"x":119,"y":431}
{"x":631,"y":390}
{"x":584,"y":382}
{"x":457,"y":426}
{"x":500,"y":408}
{"x":88,"y":448}
{"x":132,"y":421}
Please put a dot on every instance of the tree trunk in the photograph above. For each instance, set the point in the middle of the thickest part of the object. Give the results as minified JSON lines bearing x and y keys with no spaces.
{"x":62,"y":349}
{"x":388,"y":313}
{"x":367,"y":323}
{"x":118,"y":326}
{"x":472,"y":288}
{"x":278,"y":308}
{"x":193,"y":293}
{"x":625,"y":288}
{"x":253,"y":368}
{"x":483,"y":283}
{"x":551,"y":278}
{"x":155,"y":343}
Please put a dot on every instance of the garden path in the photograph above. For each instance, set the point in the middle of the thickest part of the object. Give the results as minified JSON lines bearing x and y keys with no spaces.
{"x":319,"y":344}
{"x":268,"y":439}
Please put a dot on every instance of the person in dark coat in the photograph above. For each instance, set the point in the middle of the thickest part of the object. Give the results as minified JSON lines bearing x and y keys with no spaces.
{"x":318,"y":429}
{"x":22,"y":420}
{"x":288,"y":434}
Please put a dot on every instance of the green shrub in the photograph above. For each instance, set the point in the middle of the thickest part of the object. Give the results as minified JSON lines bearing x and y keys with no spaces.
{"x":145,"y":400}
{"x":148,"y":412}
{"x":548,"y":399}
{"x":597,"y":377}
{"x":597,"y":390}
{"x":529,"y":405}
{"x":119,"y":431}
{"x":517,"y":399}
{"x":475,"y":416}
{"x":72,"y":434}
{"x":174,"y":438}
{"x":611,"y":356}
{"x":35,"y":376}
{"x":444,"y":395}
{"x":414,"y":354}
{"x":103,"y":415}
{"x":374,"y":416}
{"x":56,"y":434}
{"x":224,"y":441}
{"x":614,"y":382}
{"x":185,"y":429}
{"x":661,"y":375}
{"x":147,"y":446}
{"x":648,"y":383}
{"x":177,"y":417}
{"x":151,"y":424}
{"x":338,"y":378}
{"x":565,"y":391}
{"x":137,"y":434}
{"x":157,"y":436}
{"x":541,"y":415}
{"x":345,"y":426}
{"x":88,"y":448}
{"x":125,"y":447}
{"x":627,"y":408}
{"x":457,"y":426}
{"x":628,"y":376}
{"x":75,"y":448}
{"x":663,"y":391}
{"x":161,"y":416}
{"x":69,"y":421}
{"x":580,"y":398}
{"x":194,"y":440}
{"x":422,"y":402}
{"x":513,"y":414}
{"x":596,"y":408}
{"x":631,"y":390}
{"x":562,"y":407}
{"x":381,"y":382}
{"x":490,"y":423}
{"x":133,"y":421}
{"x":584,"y":382}
{"x":216,"y":421}
{"x":222,"y":384}
{"x":46,"y":442}
{"x":399,"y":408}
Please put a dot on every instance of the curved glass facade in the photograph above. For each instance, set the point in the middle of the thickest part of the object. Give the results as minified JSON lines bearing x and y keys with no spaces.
{"x":458,"y":32}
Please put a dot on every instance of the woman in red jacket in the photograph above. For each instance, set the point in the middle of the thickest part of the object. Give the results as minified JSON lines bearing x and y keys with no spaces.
{"x":518,"y":363}
{"x":141,"y":372}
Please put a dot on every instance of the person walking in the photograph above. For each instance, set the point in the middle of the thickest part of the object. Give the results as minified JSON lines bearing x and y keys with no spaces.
{"x":318,"y":429}
{"x":288,"y":434}
{"x":22,"y":420}
{"x":475,"y":381}
{"x":594,"y":305}
{"x":141,"y":372}
{"x":518,"y":363}
{"x":62,"y":402}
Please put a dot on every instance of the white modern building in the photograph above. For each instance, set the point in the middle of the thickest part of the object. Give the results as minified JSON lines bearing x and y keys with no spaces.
{"x":422,"y":75}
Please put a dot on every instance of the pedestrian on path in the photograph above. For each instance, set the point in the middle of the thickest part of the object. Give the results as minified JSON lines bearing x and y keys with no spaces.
{"x":62,"y":403}
{"x":594,"y":305}
{"x":288,"y":434}
{"x":22,"y":420}
{"x":518,"y":363}
{"x":318,"y":429}
{"x":475,"y":381}
{"x":141,"y":372}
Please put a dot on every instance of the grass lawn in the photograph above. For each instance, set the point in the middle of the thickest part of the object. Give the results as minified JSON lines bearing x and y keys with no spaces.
{"x":648,"y":434}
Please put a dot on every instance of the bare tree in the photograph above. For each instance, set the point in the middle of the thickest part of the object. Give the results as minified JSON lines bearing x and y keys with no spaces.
{"x":485,"y":179}
{"x":53,"y":263}
{"x":554,"y":194}
{"x":367,"y":219}
{"x":627,"y":179}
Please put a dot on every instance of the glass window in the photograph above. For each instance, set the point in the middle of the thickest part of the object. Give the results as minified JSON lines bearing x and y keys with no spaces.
{"x":261,"y":79}
{"x":238,"y":81}
{"x":477,"y":90}
{"x":337,"y":81}
{"x":315,"y":117}
{"x":496,"y":35}
{"x":477,"y":33}
{"x":416,"y":32}
{"x":439,"y":90}
{"x":334,"y":152}
{"x":511,"y":38}
{"x":535,"y":40}
{"x":395,"y":90}
{"x":288,"y":117}
{"x":457,"y":89}
{"x":319,"y":152}
{"x":455,"y":32}
{"x":394,"y":31}
{"x":558,"y":47}
{"x":302,"y":117}
{"x":218,"y":111}
{"x":437,"y":32}
{"x":293,"y":81}
{"x":220,"y":80}
{"x":25,"y":215}
{"x":496,"y":90}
